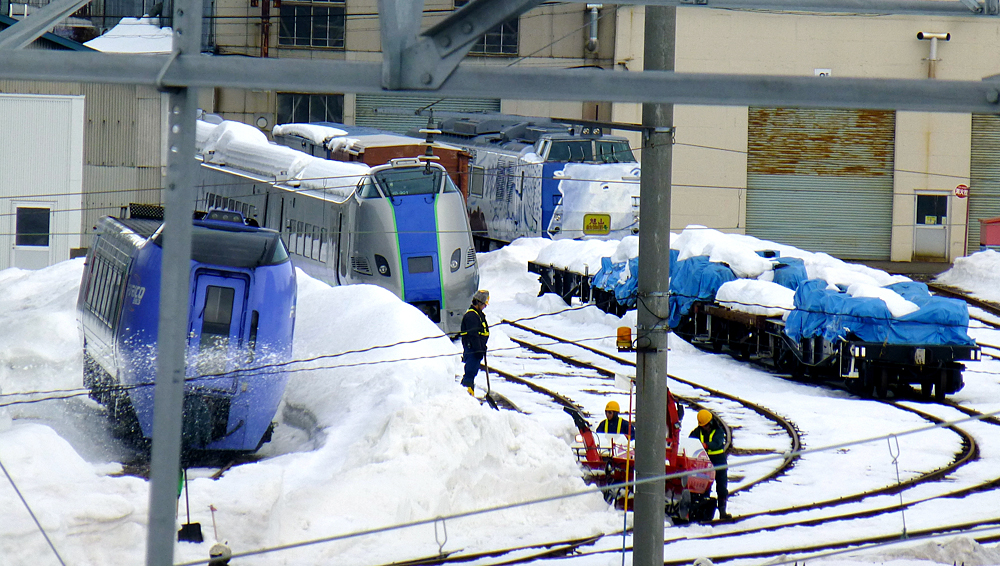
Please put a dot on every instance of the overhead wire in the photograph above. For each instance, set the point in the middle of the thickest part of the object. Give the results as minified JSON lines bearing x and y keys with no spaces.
{"x":783,"y":456}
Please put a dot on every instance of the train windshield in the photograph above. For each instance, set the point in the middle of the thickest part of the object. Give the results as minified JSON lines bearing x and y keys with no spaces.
{"x":401,"y":182}
{"x":571,"y":150}
{"x":240,"y":248}
{"x":614,"y":151}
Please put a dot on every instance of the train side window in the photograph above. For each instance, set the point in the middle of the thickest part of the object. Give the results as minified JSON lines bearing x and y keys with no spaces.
{"x":95,"y":305}
{"x":317,"y":243}
{"x":323,"y":247}
{"x":300,"y":241}
{"x":307,"y":239}
{"x":116,"y":297}
{"x":92,"y":282}
{"x":290,"y":230}
{"x":476,"y":181}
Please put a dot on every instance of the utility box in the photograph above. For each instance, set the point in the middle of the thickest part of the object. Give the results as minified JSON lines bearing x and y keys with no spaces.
{"x":989,"y":234}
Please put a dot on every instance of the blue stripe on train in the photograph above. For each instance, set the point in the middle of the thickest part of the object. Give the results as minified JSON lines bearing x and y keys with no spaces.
{"x":416,"y":224}
{"x":550,"y":194}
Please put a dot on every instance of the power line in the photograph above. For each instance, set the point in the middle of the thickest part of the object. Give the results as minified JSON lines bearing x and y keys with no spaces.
{"x":32,"y":513}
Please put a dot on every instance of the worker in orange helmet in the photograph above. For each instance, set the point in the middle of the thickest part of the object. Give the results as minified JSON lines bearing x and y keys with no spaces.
{"x":712,"y":435}
{"x":614,"y":424}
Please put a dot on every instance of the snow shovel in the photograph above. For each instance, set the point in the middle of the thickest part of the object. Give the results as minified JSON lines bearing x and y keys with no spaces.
{"x":489,"y":398}
{"x":190,"y":532}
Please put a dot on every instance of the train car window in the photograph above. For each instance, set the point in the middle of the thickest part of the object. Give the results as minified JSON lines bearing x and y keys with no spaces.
{"x":116,"y":296}
{"x":99,"y":284}
{"x":369,"y":190}
{"x":571,"y":150}
{"x":409,"y":181}
{"x":422,"y":264}
{"x":449,"y":185}
{"x":614,"y":151}
{"x":317,"y":243}
{"x":218,"y":315}
{"x":476,"y":181}
{"x":323,"y":247}
{"x":91,"y":283}
{"x":290,"y":231}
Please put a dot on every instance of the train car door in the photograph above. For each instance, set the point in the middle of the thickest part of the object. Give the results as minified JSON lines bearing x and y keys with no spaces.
{"x":215,"y":334}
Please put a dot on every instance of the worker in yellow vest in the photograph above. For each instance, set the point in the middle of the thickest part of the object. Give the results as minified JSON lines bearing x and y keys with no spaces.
{"x":712,"y":435}
{"x":614,"y":424}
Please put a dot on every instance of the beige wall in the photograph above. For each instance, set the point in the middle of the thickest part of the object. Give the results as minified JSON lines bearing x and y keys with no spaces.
{"x":932,"y":149}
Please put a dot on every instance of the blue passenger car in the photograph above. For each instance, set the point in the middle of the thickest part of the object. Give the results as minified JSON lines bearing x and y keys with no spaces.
{"x":240,"y":323}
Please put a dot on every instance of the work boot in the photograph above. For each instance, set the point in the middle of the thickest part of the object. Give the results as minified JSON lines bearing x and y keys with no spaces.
{"x":471,"y":391}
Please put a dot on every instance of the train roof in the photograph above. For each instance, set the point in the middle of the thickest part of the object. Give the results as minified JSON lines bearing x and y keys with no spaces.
{"x":353,"y":139}
{"x":245,"y":150}
{"x":512,"y":132}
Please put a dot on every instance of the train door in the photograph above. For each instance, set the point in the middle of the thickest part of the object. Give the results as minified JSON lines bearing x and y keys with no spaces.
{"x":32,"y":244}
{"x":215,"y":334}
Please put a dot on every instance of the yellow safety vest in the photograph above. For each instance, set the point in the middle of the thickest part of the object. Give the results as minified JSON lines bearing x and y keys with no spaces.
{"x":701,"y":435}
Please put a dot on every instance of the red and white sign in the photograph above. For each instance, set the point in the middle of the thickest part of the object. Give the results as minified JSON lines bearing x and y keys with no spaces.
{"x":962,"y":191}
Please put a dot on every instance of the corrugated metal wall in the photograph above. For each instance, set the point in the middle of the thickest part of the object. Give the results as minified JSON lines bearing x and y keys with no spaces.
{"x":366,"y":105}
{"x":984,"y":188}
{"x":822,"y":180}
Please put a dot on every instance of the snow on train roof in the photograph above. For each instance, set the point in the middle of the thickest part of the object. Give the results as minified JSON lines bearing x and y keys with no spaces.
{"x":241,"y":147}
{"x":313,"y":132}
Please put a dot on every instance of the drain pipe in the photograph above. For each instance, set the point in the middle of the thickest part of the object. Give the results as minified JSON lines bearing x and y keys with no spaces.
{"x":932,"y":60}
{"x":592,"y":42}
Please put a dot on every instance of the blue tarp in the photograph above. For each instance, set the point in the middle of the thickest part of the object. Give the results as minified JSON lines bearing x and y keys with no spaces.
{"x":819,"y":311}
{"x":833,"y":314}
{"x":695,"y":279}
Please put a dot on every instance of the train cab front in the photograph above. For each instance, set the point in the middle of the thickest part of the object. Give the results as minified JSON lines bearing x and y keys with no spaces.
{"x":417,"y":234}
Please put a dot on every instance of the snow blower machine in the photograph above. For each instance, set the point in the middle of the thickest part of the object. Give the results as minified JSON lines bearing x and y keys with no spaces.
{"x":608,"y":460}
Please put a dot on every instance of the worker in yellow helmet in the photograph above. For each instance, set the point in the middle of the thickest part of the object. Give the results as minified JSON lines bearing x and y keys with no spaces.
{"x":475,"y":333}
{"x":712,"y":435}
{"x":614,"y":424}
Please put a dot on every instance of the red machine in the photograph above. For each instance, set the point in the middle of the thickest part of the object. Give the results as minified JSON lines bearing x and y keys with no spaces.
{"x":609,"y":460}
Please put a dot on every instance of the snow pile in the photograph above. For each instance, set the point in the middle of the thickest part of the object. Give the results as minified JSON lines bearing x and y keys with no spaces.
{"x":978,"y":274}
{"x":579,"y":256}
{"x":317,"y":134}
{"x":896,"y":304}
{"x":756,"y":297}
{"x":135,"y":35}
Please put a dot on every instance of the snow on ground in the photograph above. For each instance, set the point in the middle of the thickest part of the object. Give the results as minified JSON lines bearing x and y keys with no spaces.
{"x":397,"y":441}
{"x":978,"y":273}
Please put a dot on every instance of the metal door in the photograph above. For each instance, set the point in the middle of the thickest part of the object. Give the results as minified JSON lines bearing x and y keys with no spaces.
{"x":930,"y":229}
{"x":822,"y":180}
{"x":215,"y":334}
{"x":32,"y":229}
{"x":984,"y":172}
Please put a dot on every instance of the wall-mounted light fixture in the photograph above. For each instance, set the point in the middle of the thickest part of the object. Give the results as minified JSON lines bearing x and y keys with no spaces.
{"x":932,"y":60}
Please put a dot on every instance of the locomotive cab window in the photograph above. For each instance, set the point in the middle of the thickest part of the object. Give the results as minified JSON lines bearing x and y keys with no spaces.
{"x":571,"y":150}
{"x":409,"y":181}
{"x":616,"y":151}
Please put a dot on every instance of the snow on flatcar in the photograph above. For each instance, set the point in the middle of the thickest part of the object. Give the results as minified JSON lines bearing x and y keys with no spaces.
{"x":804,"y":314}
{"x":401,"y":226}
{"x":240,"y":323}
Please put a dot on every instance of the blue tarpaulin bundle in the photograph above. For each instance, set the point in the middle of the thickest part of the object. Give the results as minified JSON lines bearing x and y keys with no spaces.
{"x":833,"y":314}
{"x":695,"y":279}
{"x":819,"y":310}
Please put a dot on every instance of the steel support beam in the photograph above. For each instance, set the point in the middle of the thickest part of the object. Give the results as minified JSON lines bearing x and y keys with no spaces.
{"x":400,"y":24}
{"x":310,"y":75}
{"x":33,"y":26}
{"x":175,"y":293}
{"x":930,"y":8}
{"x":426,"y":63}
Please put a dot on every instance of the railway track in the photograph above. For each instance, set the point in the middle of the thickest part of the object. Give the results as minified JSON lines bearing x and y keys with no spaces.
{"x":870,"y":504}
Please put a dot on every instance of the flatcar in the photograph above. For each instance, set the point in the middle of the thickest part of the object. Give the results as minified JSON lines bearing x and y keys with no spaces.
{"x":537,"y":177}
{"x":240,"y":323}
{"x":401,"y":226}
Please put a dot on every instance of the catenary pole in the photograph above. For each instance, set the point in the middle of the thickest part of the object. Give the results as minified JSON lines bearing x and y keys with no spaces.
{"x":174,"y":292}
{"x":652,"y":306}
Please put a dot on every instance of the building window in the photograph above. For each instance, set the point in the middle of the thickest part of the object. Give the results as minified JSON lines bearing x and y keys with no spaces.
{"x":304,"y":108}
{"x":501,"y":40}
{"x":312,"y":24}
{"x":32,"y":227}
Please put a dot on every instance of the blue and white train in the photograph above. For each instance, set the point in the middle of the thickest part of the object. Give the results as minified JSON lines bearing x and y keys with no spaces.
{"x":401,"y":226}
{"x":240,"y":322}
{"x":539,"y":178}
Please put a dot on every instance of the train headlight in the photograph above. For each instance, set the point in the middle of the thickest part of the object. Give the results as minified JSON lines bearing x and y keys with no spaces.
{"x":456,"y":260}
{"x":383,"y":266}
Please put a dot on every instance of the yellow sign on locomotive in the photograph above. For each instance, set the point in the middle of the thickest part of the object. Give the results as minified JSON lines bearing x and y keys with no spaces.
{"x":597,"y":224}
